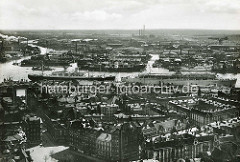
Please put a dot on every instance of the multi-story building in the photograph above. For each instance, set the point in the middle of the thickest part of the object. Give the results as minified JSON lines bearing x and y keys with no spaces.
{"x":108,"y":110}
{"x":149,"y":131}
{"x":57,"y":129}
{"x":104,"y":145}
{"x":11,"y":110}
{"x":83,"y":135}
{"x":136,"y":108}
{"x":122,"y":142}
{"x":115,"y":142}
{"x":141,"y":109}
{"x":32,"y":127}
{"x":12,"y":146}
{"x":230,"y":127}
{"x":202,"y":111}
{"x":153,"y":129}
{"x":81,"y":109}
{"x":186,"y":147}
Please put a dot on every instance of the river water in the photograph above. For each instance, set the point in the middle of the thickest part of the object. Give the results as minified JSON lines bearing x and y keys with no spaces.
{"x":8,"y":70}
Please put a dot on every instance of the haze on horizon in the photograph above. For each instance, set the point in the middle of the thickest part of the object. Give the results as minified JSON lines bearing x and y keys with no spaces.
{"x":120,"y":14}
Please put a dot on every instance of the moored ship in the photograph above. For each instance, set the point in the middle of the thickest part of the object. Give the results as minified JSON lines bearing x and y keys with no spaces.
{"x":130,"y":68}
{"x":48,"y":60}
{"x":30,"y":62}
{"x":69,"y":76}
{"x":111,"y":66}
{"x":181,"y":79}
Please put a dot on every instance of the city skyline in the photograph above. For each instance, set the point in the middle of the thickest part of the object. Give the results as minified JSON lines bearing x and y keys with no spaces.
{"x":114,"y":14}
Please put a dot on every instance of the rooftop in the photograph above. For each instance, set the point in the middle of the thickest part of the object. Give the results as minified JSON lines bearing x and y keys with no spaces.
{"x":203,"y":105}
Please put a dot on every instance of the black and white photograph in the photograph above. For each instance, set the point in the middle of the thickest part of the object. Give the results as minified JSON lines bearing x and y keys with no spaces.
{"x":119,"y":80}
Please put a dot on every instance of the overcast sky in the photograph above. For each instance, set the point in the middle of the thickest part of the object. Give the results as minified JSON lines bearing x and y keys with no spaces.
{"x":119,"y":14}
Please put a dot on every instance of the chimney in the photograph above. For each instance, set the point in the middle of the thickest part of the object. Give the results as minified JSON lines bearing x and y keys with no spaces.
{"x":143,"y":29}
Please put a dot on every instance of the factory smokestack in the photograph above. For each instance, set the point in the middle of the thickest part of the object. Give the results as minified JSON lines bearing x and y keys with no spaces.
{"x":143,"y":29}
